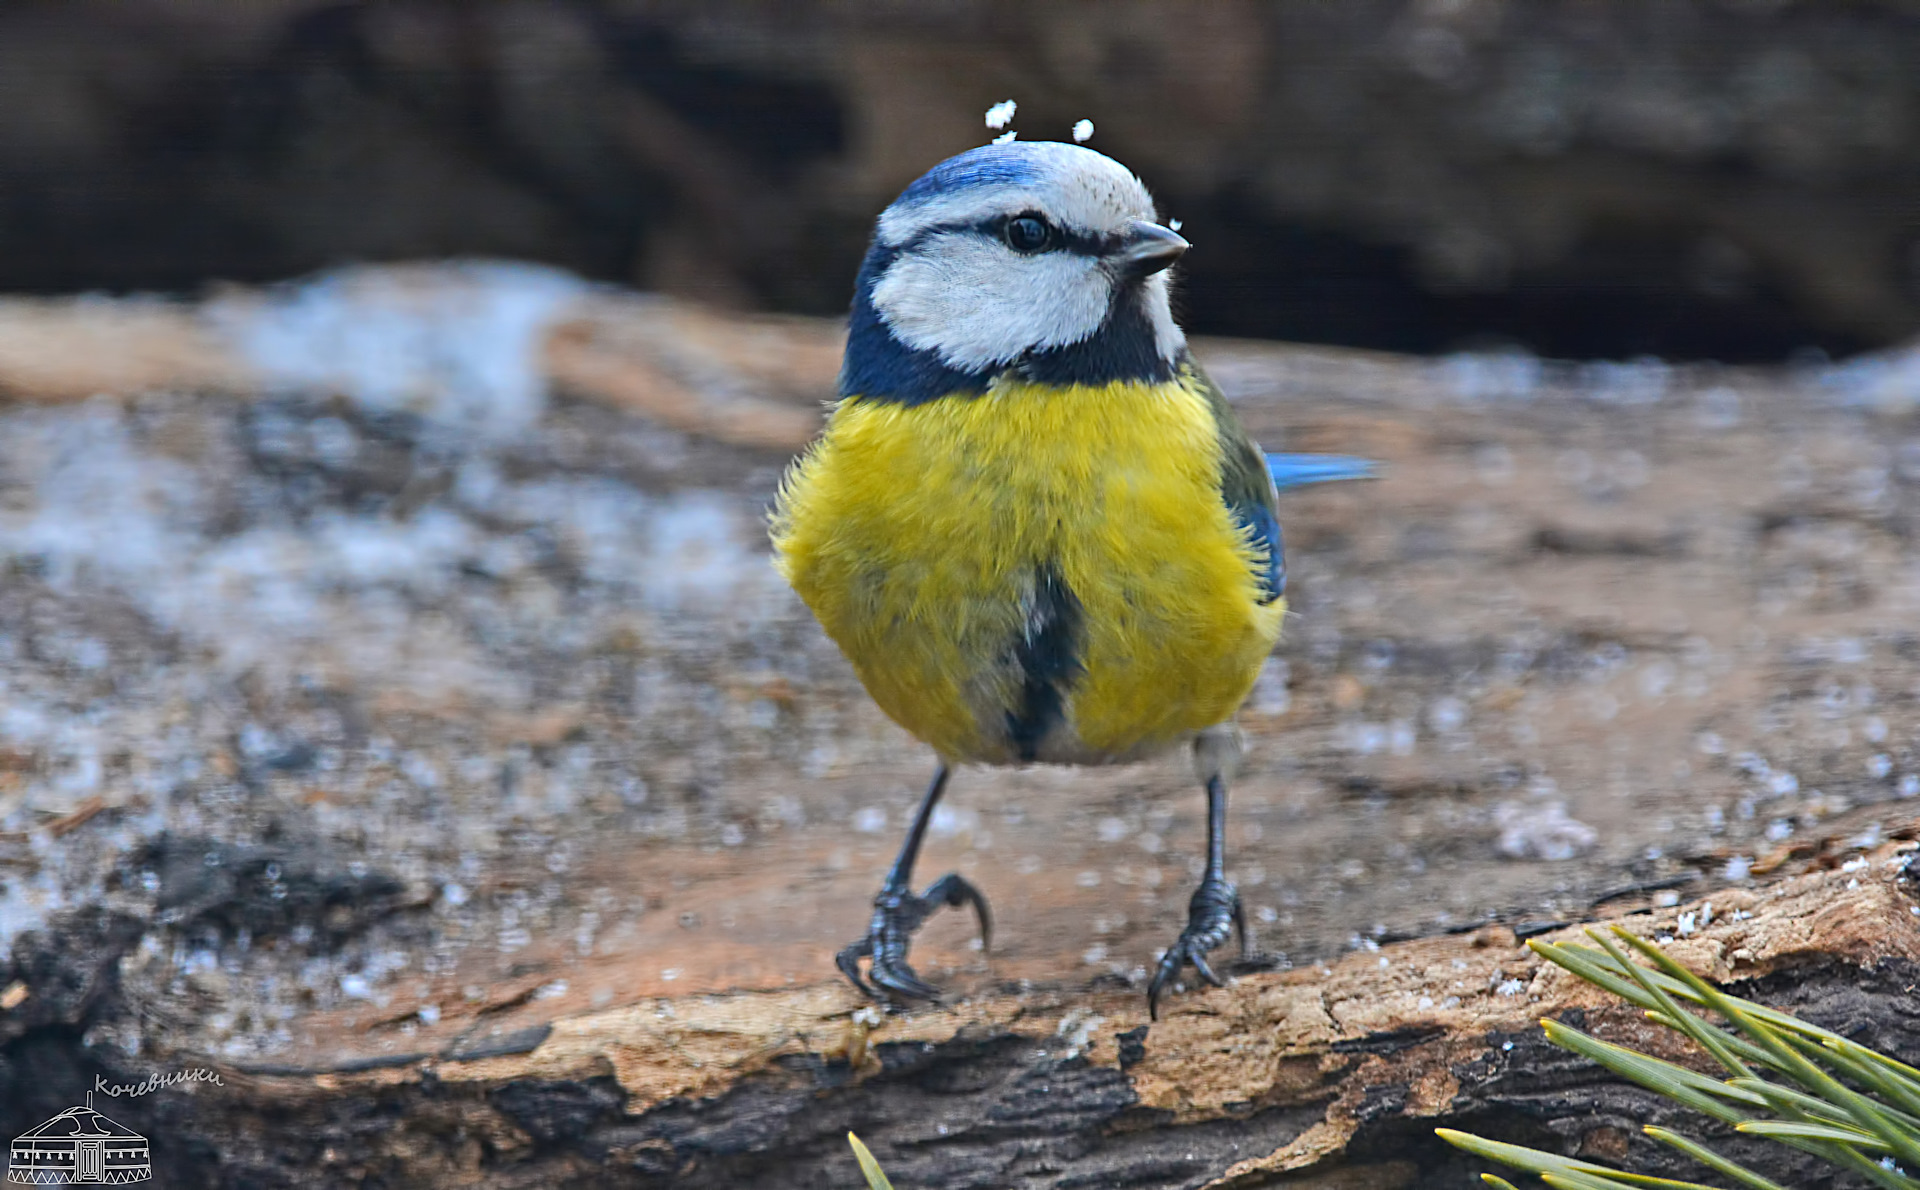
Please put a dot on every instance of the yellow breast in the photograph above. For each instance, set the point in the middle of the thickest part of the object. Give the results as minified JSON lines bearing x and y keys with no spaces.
{"x":916,"y":532}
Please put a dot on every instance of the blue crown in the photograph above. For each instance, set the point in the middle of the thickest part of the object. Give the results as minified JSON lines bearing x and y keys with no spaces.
{"x":1010,"y":164}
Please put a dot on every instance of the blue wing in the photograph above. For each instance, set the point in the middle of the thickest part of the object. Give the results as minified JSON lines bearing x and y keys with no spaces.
{"x":1263,"y":528}
{"x":1297,"y":471}
{"x":1263,"y":533}
{"x":1249,"y":482}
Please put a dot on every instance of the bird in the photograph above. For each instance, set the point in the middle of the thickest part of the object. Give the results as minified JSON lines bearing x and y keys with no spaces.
{"x":1032,"y":523}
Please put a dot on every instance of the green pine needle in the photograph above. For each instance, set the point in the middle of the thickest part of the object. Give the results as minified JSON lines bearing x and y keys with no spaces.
{"x":1697,"y":1091}
{"x":1577,"y":1180}
{"x":1536,"y":1162}
{"x":1713,"y":1160}
{"x":1855,"y":1108}
{"x":1792,"y":1082}
{"x":1698,"y":1031}
{"x":876,"y":1180}
{"x":1799,"y":1131}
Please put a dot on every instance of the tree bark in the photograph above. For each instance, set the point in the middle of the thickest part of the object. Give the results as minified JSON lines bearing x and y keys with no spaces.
{"x":1604,"y":634}
{"x":1328,"y":1076}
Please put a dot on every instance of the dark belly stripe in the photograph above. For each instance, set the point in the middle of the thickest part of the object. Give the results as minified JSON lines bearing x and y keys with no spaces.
{"x":1047,"y":653}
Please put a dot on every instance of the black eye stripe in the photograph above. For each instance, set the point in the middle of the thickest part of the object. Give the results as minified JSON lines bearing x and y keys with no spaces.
{"x":1059,"y":239}
{"x":1079,"y":243}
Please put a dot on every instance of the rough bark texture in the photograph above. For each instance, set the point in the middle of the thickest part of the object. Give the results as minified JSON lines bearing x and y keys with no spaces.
{"x":1332,"y":1076}
{"x":464,"y":790}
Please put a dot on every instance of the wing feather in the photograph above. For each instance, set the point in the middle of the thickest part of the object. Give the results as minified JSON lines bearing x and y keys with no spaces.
{"x":1246,"y":486}
{"x":1250,"y":481}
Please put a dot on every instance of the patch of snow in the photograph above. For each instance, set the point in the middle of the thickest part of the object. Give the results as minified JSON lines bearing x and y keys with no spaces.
{"x":1542,"y":831}
{"x":457,"y":344}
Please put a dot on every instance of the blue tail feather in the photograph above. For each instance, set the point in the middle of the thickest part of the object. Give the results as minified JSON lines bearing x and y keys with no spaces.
{"x":1297,"y":471}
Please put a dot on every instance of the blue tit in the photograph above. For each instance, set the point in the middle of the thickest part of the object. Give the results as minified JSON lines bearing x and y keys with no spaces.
{"x":1033,"y":524}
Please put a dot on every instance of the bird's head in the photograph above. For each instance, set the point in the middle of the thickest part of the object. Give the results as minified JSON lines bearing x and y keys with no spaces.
{"x":1040,"y":257}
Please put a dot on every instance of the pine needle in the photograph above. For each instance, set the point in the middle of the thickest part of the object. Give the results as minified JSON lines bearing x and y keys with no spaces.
{"x":876,"y":1180}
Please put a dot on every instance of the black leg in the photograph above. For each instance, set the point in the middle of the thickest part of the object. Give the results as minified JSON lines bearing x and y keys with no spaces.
{"x":1213,"y":912}
{"x":897,"y":913}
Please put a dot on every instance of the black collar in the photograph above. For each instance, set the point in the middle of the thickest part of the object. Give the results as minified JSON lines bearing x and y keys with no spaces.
{"x":879,"y":367}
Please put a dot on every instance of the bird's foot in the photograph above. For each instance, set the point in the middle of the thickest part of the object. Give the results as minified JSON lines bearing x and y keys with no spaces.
{"x":897,"y":913}
{"x":1211,"y":915}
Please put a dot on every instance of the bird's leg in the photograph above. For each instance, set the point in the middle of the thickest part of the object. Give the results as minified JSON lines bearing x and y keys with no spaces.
{"x":1215,"y":908}
{"x":897,"y":913}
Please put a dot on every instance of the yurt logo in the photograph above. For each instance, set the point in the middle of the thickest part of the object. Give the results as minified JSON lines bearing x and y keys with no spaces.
{"x":80,"y":1147}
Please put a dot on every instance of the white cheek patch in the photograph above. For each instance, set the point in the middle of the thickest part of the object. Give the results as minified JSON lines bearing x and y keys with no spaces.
{"x":979,"y":304}
{"x":1168,"y":338}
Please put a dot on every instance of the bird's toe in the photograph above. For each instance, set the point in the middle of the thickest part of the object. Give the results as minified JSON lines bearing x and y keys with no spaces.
{"x":1212,"y":915}
{"x":900,"y":979}
{"x":897,"y":913}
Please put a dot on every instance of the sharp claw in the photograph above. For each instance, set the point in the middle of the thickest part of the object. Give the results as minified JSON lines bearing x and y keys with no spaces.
{"x":897,"y":913}
{"x":1207,"y":927}
{"x":848,"y":960}
{"x":958,"y":892}
{"x":1164,"y":973}
{"x":902,"y":981}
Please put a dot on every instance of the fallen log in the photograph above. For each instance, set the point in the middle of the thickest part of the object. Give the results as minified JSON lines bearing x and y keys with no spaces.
{"x":1332,"y":1075}
{"x":751,"y":381}
{"x":441,"y":765}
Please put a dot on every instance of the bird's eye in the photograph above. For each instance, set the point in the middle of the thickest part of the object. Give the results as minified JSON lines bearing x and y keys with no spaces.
{"x":1028,"y":233}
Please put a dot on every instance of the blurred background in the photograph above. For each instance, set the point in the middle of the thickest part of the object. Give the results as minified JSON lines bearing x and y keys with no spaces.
{"x":391,"y":394}
{"x":1723,"y":179}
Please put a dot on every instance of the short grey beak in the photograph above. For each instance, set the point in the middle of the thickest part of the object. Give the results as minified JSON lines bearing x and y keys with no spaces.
{"x":1148,"y":249}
